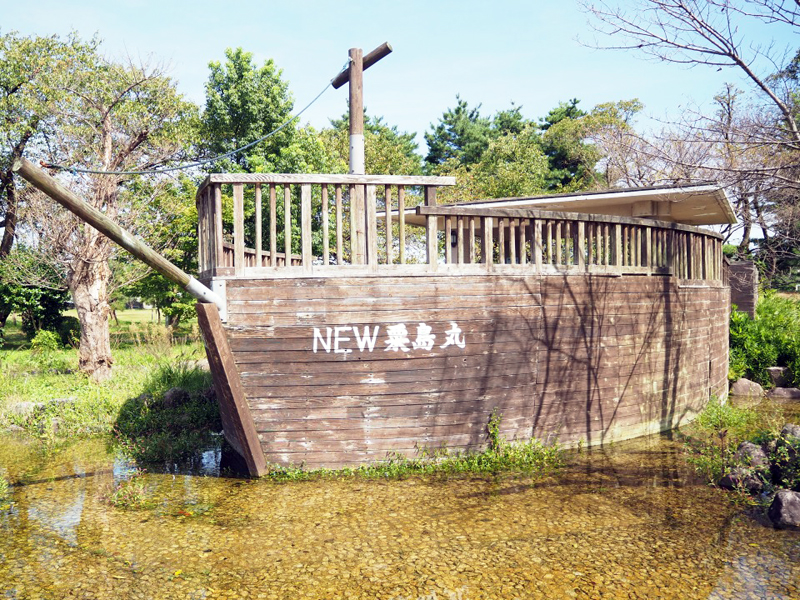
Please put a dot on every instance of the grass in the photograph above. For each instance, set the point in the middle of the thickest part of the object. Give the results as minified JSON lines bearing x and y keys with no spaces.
{"x":531,"y":458}
{"x":719,"y":429}
{"x":148,"y":361}
{"x":131,"y":493}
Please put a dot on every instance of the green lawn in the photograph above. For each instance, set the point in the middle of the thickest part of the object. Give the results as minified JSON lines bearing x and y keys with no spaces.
{"x":143,"y":352}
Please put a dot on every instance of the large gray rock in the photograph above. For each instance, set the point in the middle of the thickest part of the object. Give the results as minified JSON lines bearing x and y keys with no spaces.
{"x":176,"y":397}
{"x":745,"y":387}
{"x":779,"y":376}
{"x":784,"y":512}
{"x":25,"y":409}
{"x":751,"y":455}
{"x":786,"y":458}
{"x":783,"y":393}
{"x":791,"y":433}
{"x":742,"y":478}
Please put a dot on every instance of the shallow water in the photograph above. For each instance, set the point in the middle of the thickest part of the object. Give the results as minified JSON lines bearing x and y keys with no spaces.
{"x":624,"y":522}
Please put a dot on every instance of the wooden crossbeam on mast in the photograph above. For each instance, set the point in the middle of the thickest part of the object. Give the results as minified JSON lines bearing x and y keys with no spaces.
{"x":354,"y":74}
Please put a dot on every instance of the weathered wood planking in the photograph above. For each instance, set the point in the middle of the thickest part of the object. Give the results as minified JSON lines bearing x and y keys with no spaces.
{"x":234,"y":410}
{"x":561,"y":357}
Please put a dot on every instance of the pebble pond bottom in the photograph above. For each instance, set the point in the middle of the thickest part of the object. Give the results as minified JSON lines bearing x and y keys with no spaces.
{"x":629,"y":521}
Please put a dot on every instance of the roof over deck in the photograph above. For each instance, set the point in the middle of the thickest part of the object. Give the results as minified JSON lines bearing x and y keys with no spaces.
{"x":690,"y":205}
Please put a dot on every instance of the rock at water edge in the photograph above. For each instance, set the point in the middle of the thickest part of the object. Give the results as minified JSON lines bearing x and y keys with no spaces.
{"x":784,"y":512}
{"x":745,"y":387}
{"x":783,"y":393}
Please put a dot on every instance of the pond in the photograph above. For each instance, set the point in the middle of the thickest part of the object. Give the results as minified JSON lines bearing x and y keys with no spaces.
{"x":629,"y":521}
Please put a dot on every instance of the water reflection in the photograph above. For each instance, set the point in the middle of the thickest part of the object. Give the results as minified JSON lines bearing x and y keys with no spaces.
{"x":625,"y":521}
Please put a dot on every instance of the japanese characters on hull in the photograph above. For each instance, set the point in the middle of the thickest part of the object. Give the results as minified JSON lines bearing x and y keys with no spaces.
{"x":338,"y":341}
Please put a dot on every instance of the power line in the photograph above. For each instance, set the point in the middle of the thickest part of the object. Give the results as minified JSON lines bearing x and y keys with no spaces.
{"x":200,"y":162}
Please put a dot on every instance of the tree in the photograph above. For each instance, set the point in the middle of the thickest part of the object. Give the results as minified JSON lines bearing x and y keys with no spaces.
{"x":32,"y":75}
{"x":387,"y":151}
{"x":177,"y":237}
{"x":244,"y":102}
{"x":513,"y":165}
{"x":463,"y":135}
{"x":705,"y":33}
{"x":112,"y":117}
{"x":571,"y":159}
{"x":751,"y":144}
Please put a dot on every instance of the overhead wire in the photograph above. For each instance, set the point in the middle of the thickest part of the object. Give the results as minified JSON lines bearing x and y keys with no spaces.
{"x":199,"y":163}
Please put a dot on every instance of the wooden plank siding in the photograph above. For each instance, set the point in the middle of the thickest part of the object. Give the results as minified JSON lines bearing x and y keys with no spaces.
{"x":561,"y":357}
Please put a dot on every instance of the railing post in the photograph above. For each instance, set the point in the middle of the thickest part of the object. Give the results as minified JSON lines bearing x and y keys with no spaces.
{"x":273,"y":226}
{"x":512,"y":241}
{"x":618,"y":246}
{"x":537,"y":244}
{"x":401,"y":216}
{"x":460,"y":239}
{"x":448,"y":236}
{"x":219,"y":250}
{"x":358,"y":246}
{"x":259,"y":239}
{"x":432,"y":234}
{"x":287,"y":225}
{"x":581,"y":246}
{"x":238,"y":229}
{"x":501,"y":240}
{"x":305,"y":226}
{"x":487,"y":242}
{"x":558,"y":243}
{"x":339,"y":235}
{"x":372,"y":227}
{"x":471,"y":241}
{"x":325,"y":225}
{"x":387,"y":196}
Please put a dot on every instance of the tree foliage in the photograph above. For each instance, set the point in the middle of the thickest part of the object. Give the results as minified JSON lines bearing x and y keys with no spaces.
{"x":387,"y":150}
{"x":109,"y":116}
{"x":244,"y":102}
{"x":510,"y":155}
{"x":463,"y":134}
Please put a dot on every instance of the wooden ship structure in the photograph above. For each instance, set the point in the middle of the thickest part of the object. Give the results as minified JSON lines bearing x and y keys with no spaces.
{"x":351,"y":318}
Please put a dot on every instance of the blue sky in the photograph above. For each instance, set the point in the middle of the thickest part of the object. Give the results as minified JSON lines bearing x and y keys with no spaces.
{"x":492,"y":53}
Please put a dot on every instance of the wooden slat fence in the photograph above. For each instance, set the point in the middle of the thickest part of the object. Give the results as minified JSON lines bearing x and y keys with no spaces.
{"x":336,"y":223}
{"x":558,"y":242}
{"x":335,"y":214}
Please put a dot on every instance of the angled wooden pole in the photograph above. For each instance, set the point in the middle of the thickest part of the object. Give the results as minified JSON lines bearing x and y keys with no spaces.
{"x":53,"y":188}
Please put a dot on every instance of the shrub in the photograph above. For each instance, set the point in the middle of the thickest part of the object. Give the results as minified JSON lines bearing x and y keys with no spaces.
{"x":720,"y":428}
{"x":771,"y":339}
{"x":69,"y":330}
{"x":718,"y":417}
{"x":45,"y":342}
{"x":131,"y":493}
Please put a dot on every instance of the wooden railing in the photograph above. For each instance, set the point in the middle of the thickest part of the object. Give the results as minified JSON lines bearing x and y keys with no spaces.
{"x":350,"y":222}
{"x":552,"y":242}
{"x":337,"y":214}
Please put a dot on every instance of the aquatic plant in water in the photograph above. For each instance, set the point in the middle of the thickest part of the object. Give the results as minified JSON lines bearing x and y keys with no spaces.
{"x":131,"y":493}
{"x":5,"y":493}
{"x":532,"y":458}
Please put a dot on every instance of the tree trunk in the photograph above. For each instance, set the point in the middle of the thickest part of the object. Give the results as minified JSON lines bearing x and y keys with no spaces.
{"x":89,"y":287}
